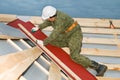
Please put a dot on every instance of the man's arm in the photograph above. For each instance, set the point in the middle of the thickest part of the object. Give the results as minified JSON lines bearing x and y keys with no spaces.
{"x":41,"y":26}
{"x":55,"y":33}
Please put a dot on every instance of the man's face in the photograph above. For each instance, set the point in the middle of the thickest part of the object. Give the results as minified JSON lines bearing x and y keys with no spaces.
{"x":51,"y":19}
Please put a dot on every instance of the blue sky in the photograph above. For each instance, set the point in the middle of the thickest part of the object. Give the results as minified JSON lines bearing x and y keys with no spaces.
{"x":78,"y":8}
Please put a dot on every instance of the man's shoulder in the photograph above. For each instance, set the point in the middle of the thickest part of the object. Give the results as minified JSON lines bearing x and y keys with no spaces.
{"x":62,"y":14}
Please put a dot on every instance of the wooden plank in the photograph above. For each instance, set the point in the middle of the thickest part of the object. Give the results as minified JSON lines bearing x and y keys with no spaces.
{"x":25,"y":43}
{"x":100,"y":31}
{"x":98,"y":52}
{"x":41,"y":67}
{"x":91,"y":22}
{"x":54,"y":72}
{"x":22,"y":78}
{"x":45,"y":71}
{"x":106,"y":31}
{"x":15,"y":45}
{"x":36,"y":20}
{"x":114,"y":67}
{"x":101,"y":41}
{"x":46,"y":61}
{"x":96,"y":22}
{"x":101,"y":52}
{"x":107,"y":78}
{"x":7,"y":17}
{"x":87,"y":22}
{"x":14,"y":64}
{"x":8,"y":37}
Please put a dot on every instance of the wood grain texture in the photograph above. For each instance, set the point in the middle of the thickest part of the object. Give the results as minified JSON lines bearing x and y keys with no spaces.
{"x":14,"y":64}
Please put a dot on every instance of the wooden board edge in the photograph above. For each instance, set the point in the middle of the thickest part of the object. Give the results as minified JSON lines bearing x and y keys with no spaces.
{"x":17,"y":63}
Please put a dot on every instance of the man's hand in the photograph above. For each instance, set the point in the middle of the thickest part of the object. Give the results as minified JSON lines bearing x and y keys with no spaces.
{"x":40,"y":42}
{"x":34,"y":29}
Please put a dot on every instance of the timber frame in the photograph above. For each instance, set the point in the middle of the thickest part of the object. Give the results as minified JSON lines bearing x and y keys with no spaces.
{"x":89,"y":26}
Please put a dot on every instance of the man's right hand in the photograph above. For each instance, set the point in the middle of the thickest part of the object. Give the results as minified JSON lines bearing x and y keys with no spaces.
{"x":34,"y":29}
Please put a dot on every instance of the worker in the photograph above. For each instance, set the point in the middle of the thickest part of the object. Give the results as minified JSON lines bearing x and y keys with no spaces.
{"x":66,"y":33}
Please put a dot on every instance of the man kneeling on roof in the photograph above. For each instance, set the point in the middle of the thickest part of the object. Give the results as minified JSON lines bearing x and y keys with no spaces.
{"x":66,"y":33}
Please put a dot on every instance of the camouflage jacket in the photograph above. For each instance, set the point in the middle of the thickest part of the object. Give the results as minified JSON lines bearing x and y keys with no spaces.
{"x":60,"y":25}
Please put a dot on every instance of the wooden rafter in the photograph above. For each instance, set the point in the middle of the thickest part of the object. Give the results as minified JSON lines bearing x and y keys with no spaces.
{"x":98,"y":52}
{"x":106,"y":78}
{"x":89,"y":26}
{"x":82,"y":21}
{"x":8,"y":37}
{"x":14,"y":64}
{"x":54,"y":72}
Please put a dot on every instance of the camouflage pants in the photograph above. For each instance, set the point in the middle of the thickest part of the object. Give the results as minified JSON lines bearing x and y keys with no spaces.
{"x":74,"y":43}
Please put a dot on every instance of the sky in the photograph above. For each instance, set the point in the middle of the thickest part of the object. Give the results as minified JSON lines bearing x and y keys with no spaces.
{"x":78,"y":8}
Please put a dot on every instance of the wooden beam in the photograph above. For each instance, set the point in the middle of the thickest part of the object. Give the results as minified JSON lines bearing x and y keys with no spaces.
{"x":85,"y":40}
{"x":98,"y":52}
{"x":114,"y":67}
{"x":14,"y":64}
{"x":36,"y":20}
{"x":7,"y":17}
{"x":54,"y":72}
{"x":49,"y":63}
{"x":107,"y":78}
{"x":94,"y":30}
{"x":41,"y":67}
{"x":91,"y":22}
{"x":22,"y":78}
{"x":101,"y":41}
{"x":100,"y":30}
{"x":96,"y":22}
{"x":8,"y":37}
{"x":15,"y":45}
{"x":25,"y":43}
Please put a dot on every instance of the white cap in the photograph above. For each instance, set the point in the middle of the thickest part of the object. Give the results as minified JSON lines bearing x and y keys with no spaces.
{"x":48,"y":12}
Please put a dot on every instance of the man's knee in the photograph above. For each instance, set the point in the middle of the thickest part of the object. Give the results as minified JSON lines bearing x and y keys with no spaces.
{"x":85,"y":62}
{"x":74,"y":58}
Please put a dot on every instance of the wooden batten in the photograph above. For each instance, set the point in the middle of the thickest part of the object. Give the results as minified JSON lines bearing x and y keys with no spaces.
{"x":22,"y":78}
{"x":36,"y":20}
{"x":13,"y":65}
{"x":91,"y":22}
{"x":98,"y":52}
{"x":8,"y":37}
{"x":106,"y":78}
{"x":9,"y":64}
{"x":54,"y":72}
{"x":100,"y":31}
{"x":7,"y":17}
{"x":101,"y":52}
{"x":86,"y":22}
{"x":115,"y":67}
{"x":97,"y":22}
{"x":101,"y":41}
{"x":41,"y":67}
